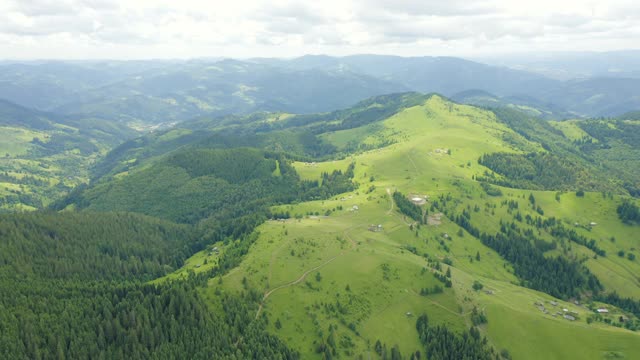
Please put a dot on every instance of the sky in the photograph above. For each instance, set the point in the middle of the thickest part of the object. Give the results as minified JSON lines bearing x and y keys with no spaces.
{"x":144,"y":29}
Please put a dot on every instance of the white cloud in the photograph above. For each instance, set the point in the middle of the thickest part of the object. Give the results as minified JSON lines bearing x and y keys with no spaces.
{"x":241,"y":28}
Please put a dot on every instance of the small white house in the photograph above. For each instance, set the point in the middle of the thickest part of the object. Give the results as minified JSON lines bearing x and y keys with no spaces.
{"x":603,"y":311}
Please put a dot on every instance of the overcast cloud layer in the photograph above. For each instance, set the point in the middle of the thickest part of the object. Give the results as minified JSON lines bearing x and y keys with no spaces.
{"x":133,"y":29}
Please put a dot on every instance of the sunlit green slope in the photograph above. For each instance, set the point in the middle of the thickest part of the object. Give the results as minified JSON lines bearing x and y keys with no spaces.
{"x":330,"y":271}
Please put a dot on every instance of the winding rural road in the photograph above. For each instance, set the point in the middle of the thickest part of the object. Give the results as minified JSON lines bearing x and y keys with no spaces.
{"x":304,"y":274}
{"x":294,"y":282}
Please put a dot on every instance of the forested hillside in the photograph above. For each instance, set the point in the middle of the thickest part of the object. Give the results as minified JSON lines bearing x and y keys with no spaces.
{"x":407,"y":226}
{"x":73,"y":286}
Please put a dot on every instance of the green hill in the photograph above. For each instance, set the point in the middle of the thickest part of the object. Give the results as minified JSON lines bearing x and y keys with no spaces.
{"x":406,"y":224}
{"x":369,"y":281}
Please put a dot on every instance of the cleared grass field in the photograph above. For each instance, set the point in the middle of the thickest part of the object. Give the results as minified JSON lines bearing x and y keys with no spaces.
{"x":16,"y":141}
{"x":571,"y":129}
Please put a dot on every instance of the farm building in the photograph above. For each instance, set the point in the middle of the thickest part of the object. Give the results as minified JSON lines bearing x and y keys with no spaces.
{"x":418,"y":199}
{"x":603,"y":310}
{"x":435,"y":219}
{"x":375,"y":228}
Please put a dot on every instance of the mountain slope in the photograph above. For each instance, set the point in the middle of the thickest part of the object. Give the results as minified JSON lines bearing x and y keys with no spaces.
{"x":363,"y":284}
{"x":399,"y":220}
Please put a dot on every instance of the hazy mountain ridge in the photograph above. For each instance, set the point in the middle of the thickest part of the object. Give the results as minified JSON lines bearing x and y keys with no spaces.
{"x":172,"y":91}
{"x":597,"y":96}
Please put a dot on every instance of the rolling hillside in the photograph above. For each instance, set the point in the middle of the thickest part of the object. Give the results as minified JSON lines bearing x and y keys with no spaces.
{"x":395,"y":208}
{"x":46,"y":155}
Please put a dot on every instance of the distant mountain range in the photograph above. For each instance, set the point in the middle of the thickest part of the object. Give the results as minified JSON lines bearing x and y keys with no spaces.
{"x":154,"y":92}
{"x":584,"y":97}
{"x":574,"y":64}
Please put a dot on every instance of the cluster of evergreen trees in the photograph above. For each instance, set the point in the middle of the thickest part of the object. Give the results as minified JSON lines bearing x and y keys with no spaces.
{"x":407,"y":207}
{"x":629,"y":212}
{"x":628,"y":133}
{"x":435,"y":289}
{"x":543,"y":171}
{"x":442,"y":343}
{"x":330,"y":184}
{"x":560,"y":232}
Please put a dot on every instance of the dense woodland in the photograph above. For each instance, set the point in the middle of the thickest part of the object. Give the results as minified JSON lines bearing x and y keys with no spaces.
{"x":538,"y":171}
{"x":79,"y":320}
{"x":629,"y":212}
{"x":92,"y":246}
{"x":73,"y":285}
